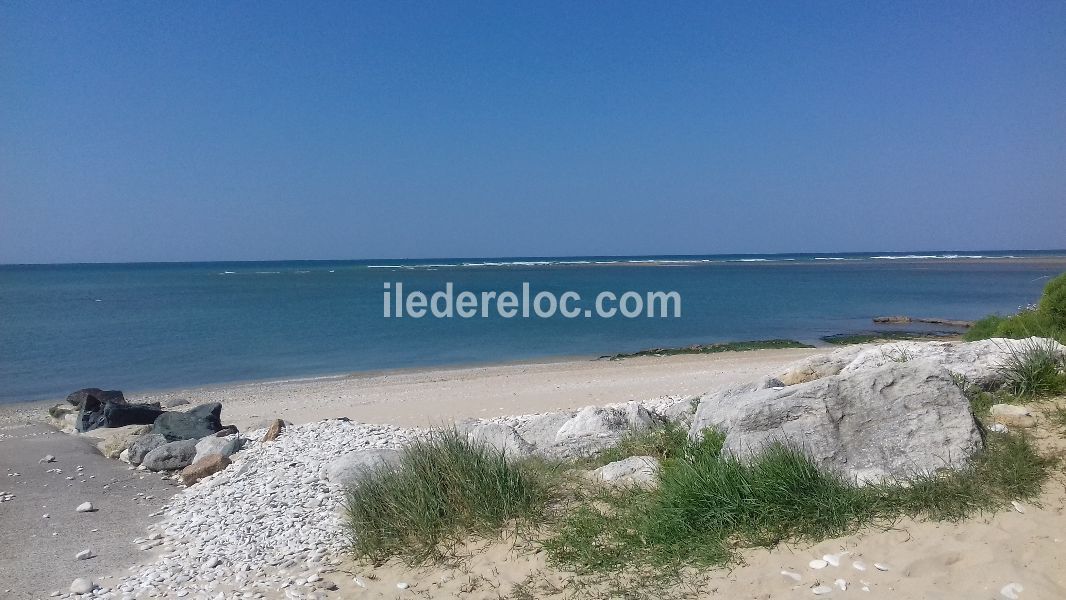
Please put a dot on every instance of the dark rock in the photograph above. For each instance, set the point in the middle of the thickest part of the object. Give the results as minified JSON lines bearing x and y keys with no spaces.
{"x":193,"y":424}
{"x":227,"y":431}
{"x":79,"y":396}
{"x":171,"y":456}
{"x":111,"y":410}
{"x":143,"y":445}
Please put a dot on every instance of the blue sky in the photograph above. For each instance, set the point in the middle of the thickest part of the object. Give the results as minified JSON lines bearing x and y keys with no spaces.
{"x":239,"y":130}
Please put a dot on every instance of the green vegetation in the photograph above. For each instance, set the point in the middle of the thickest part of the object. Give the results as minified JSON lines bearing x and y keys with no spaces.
{"x":869,"y":337}
{"x":444,"y":489}
{"x":1046,"y":319}
{"x":708,"y":505}
{"x":714,"y":348}
{"x":1035,"y":369}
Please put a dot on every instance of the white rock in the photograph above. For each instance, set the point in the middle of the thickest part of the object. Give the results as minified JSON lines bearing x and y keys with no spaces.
{"x":84,"y":554}
{"x":1012,"y":591}
{"x":881,"y":566}
{"x":858,"y":565}
{"x":1018,"y":506}
{"x":840,"y":583}
{"x":818,"y":563}
{"x":82,"y":586}
{"x":640,"y":471}
{"x":821,"y":590}
{"x":402,"y":585}
{"x":85,"y":507}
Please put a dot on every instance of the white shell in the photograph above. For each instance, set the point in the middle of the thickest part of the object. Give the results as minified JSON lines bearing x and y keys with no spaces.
{"x":791,"y":575}
{"x":818,"y":564}
{"x":840,"y":583}
{"x":881,"y":566}
{"x":1018,"y":506}
{"x":1011,"y":591}
{"x":821,"y":590}
{"x":858,"y":565}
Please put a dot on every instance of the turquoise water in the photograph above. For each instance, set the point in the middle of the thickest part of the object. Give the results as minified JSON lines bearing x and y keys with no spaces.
{"x":150,"y":326}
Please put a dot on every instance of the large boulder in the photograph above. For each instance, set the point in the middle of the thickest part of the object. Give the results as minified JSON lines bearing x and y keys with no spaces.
{"x":142,"y":446}
{"x":193,"y":424}
{"x":889,"y":422}
{"x":349,"y":468}
{"x":500,"y":437}
{"x":818,"y":366}
{"x":223,"y":446}
{"x":78,"y":397}
{"x":171,"y":456}
{"x":641,"y":471}
{"x":108,"y":410}
{"x":111,"y":441}
{"x":594,"y":429}
{"x":977,"y":362}
{"x":540,"y":430}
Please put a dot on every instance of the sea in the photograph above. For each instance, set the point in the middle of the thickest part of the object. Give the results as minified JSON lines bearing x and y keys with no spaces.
{"x":152,"y":326}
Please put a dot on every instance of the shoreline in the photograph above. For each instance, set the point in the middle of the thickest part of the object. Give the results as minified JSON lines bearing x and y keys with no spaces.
{"x":417,"y":396}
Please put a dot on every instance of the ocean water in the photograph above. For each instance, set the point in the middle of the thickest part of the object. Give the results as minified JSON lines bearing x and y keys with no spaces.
{"x":154,"y":326}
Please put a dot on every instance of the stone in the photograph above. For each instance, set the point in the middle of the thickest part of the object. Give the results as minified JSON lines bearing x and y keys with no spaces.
{"x":276,"y":426}
{"x":84,"y":554}
{"x":1012,"y":415}
{"x":82,"y":586}
{"x":78,"y":397}
{"x":208,"y":465}
{"x":48,"y":458}
{"x":63,"y":417}
{"x":818,"y":366}
{"x":889,"y":422}
{"x":641,"y":471}
{"x":111,"y":441}
{"x":113,"y":411}
{"x":170,"y":456}
{"x":85,"y":507}
{"x":224,"y":446}
{"x":195,"y":423}
{"x":143,"y":445}
{"x":680,"y":412}
{"x":594,"y":429}
{"x":501,"y":438}
{"x":227,"y":430}
{"x":348,"y":469}
{"x":173,"y":402}
{"x":540,"y":431}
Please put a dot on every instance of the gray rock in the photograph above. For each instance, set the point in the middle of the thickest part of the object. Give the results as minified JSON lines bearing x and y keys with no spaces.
{"x":640,"y":471}
{"x":193,"y":424}
{"x":889,"y":422}
{"x":170,"y":456}
{"x":818,"y":366}
{"x":82,"y":586}
{"x":502,"y":438}
{"x":594,"y":429}
{"x":541,"y":429}
{"x":225,"y":446}
{"x":143,"y":445}
{"x":350,"y":468}
{"x":111,"y":441}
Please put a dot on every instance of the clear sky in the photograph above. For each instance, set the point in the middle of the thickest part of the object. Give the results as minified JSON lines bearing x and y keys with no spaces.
{"x":258,"y":130}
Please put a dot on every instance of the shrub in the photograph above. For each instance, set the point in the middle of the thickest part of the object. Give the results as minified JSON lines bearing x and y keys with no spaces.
{"x":445,"y":488}
{"x":1047,"y":320}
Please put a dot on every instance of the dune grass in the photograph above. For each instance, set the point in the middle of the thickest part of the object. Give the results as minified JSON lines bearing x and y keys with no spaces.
{"x":1034,"y":369}
{"x":1047,"y":319}
{"x":707,"y":506}
{"x":445,"y":489}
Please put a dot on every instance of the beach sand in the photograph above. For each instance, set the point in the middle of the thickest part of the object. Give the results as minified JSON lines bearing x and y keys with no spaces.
{"x":971,"y":559}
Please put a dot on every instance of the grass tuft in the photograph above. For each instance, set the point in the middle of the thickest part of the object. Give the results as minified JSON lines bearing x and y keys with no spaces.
{"x":1035,"y":369}
{"x":445,"y":488}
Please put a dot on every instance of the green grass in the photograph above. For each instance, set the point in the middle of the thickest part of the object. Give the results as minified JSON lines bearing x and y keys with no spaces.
{"x":445,"y":489}
{"x":708,"y":506}
{"x":1047,"y":319}
{"x":1034,"y":369}
{"x":715,"y":348}
{"x":868,"y":337}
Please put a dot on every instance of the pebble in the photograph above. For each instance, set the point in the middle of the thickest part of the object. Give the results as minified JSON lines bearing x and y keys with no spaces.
{"x":858,"y":565}
{"x":402,"y":585}
{"x":48,"y":458}
{"x":881,"y":566}
{"x":1018,"y":506}
{"x":85,"y":507}
{"x":84,"y":554}
{"x":790,"y":575}
{"x":82,"y":586}
{"x":840,"y":583}
{"x":1011,"y":591}
{"x":818,"y":563}
{"x":821,"y":590}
